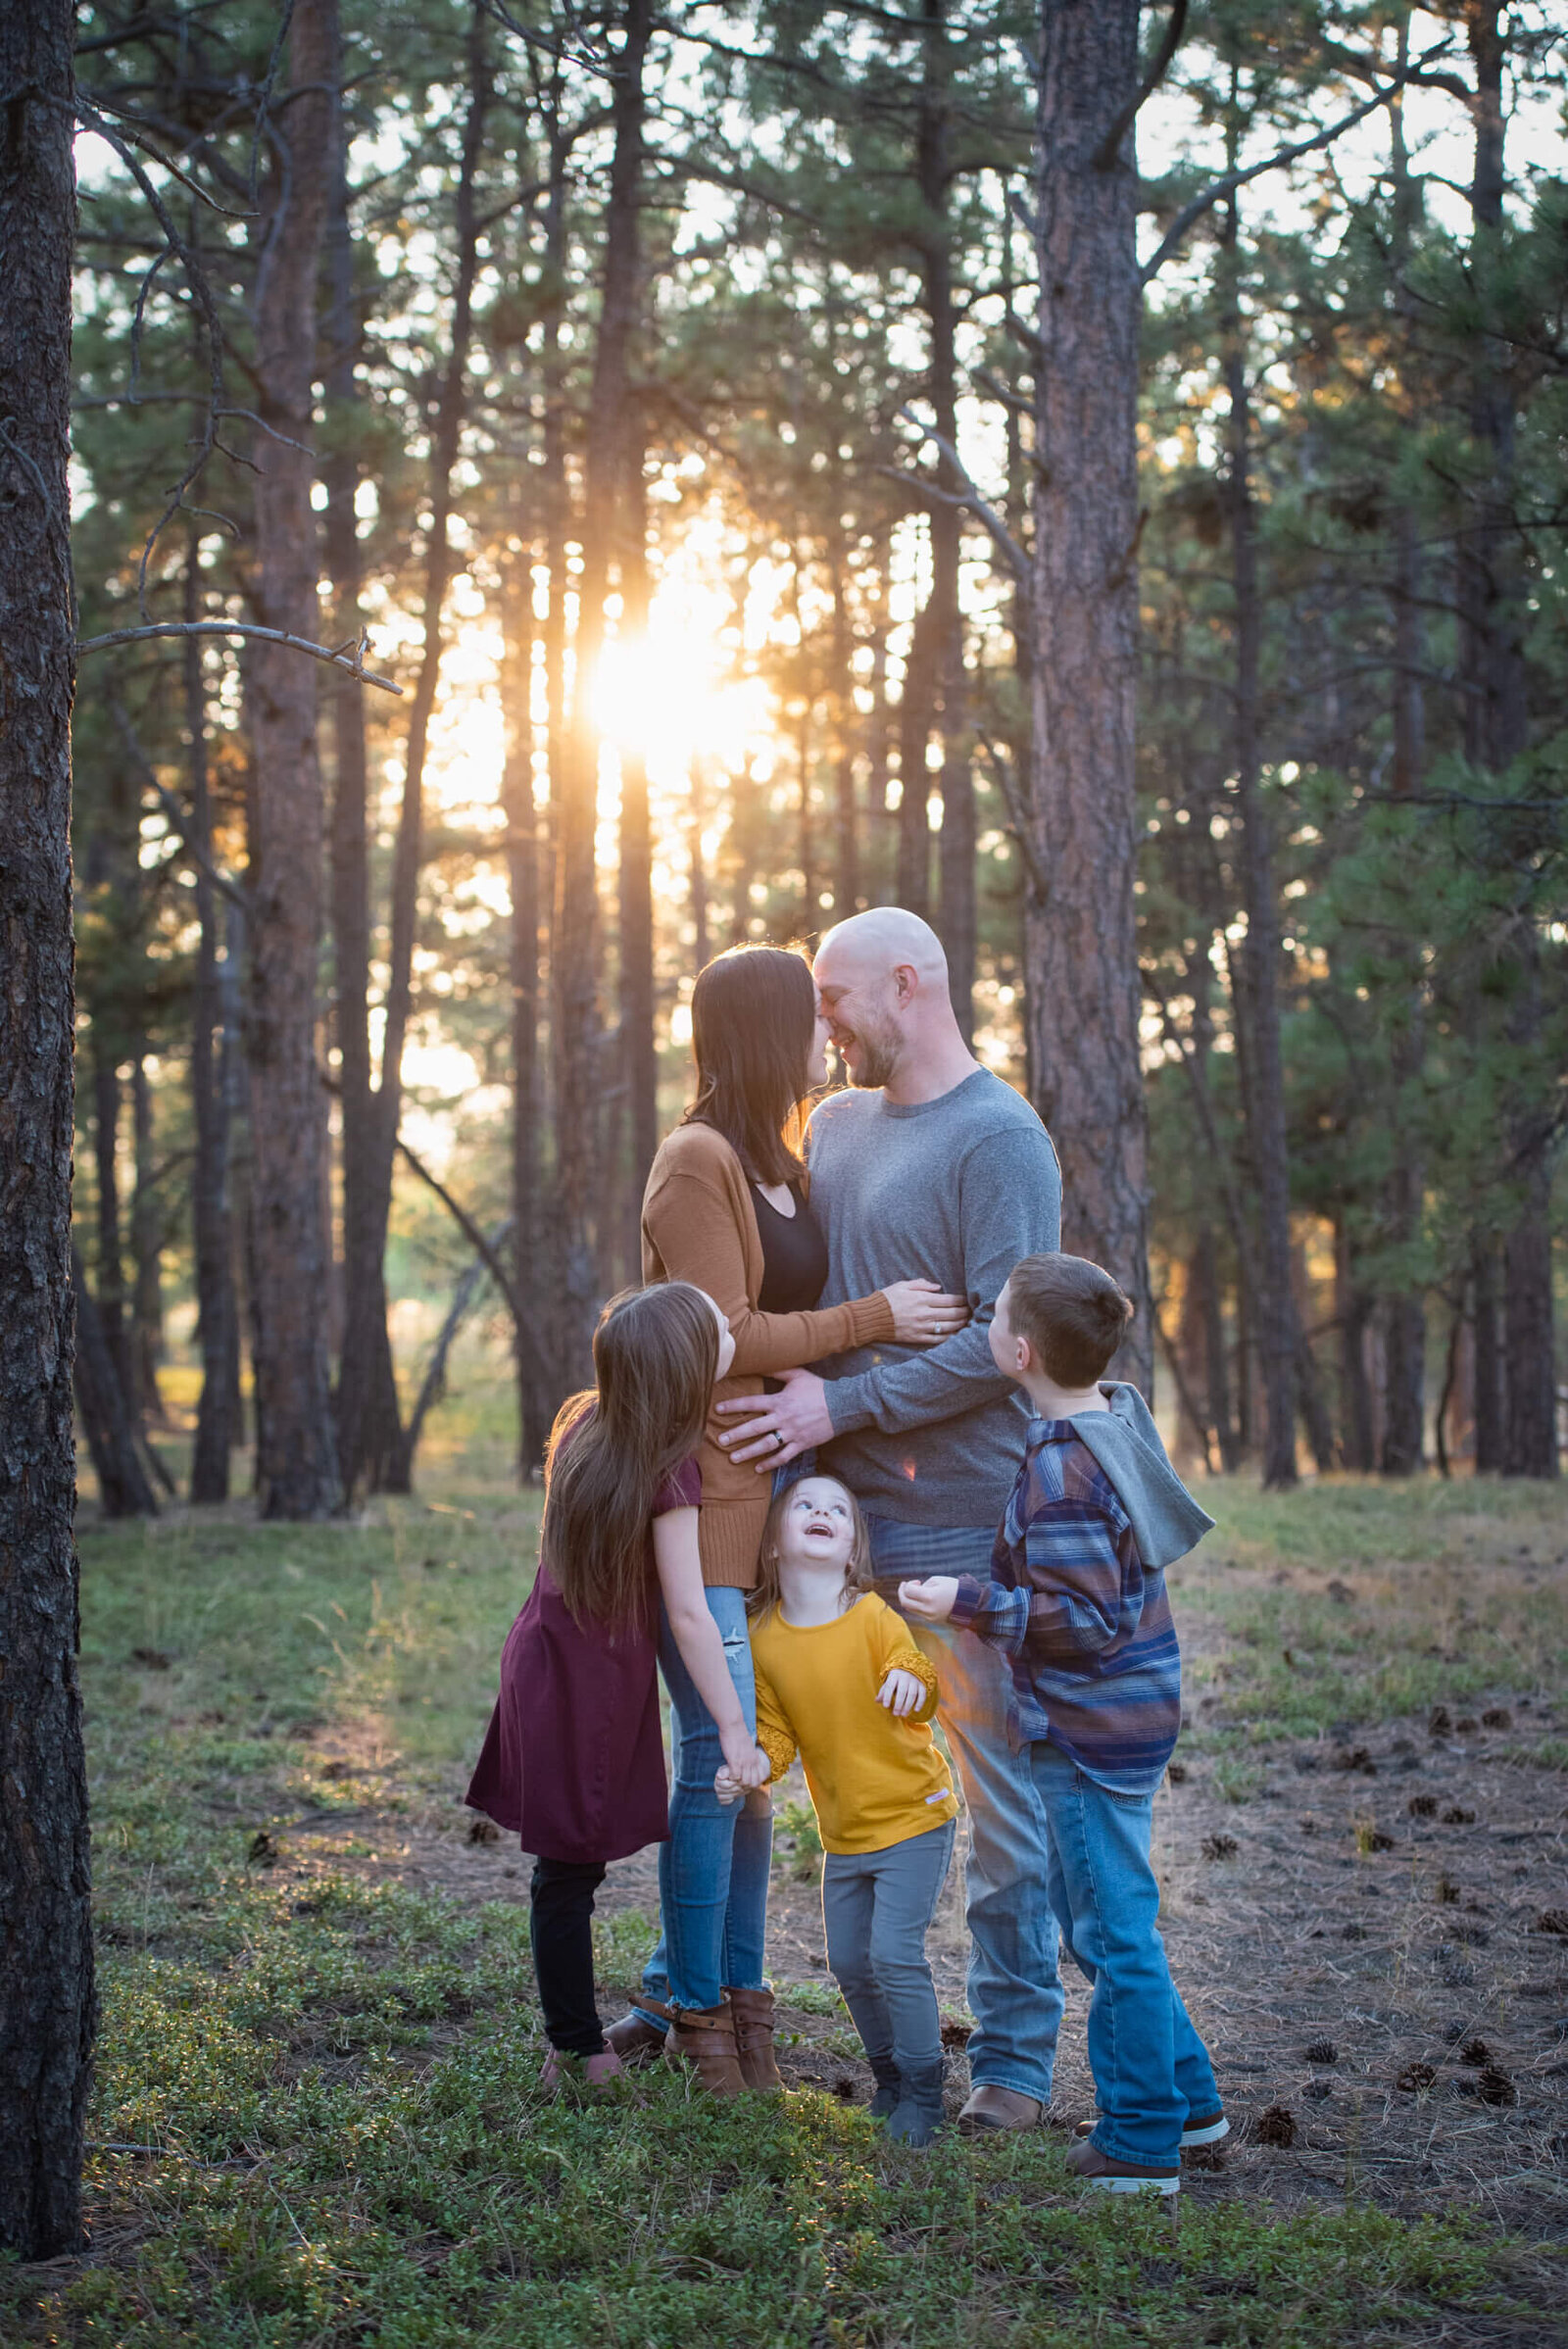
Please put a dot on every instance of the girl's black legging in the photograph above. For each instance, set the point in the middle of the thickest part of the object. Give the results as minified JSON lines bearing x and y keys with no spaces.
{"x":561,"y":1926}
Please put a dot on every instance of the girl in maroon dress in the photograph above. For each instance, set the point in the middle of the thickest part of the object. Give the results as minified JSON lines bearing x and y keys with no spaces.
{"x":573,"y":1760}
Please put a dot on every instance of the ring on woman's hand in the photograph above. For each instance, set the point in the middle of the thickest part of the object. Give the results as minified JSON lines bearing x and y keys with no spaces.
{"x":778,"y":1440}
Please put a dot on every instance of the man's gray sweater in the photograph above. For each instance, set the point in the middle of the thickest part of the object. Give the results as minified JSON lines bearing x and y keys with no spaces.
{"x":956,"y":1191}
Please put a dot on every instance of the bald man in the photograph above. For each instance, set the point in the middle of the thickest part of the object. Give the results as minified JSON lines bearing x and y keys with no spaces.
{"x":931,"y":1163}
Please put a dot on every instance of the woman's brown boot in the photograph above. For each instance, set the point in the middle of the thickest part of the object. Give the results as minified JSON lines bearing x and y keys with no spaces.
{"x":704,"y":2038}
{"x":753,"y":2011}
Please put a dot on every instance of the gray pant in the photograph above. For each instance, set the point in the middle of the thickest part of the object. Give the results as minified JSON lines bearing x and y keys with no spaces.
{"x":876,"y":1908}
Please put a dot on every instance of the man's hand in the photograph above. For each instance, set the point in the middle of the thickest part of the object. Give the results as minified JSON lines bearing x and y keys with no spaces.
{"x":930,"y":1601}
{"x":901,"y":1693}
{"x":779,"y":1427}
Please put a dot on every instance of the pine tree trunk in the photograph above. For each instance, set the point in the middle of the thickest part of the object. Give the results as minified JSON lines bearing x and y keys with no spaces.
{"x":955,"y":843}
{"x":912,"y":878}
{"x":1492,"y":607}
{"x":700,"y":949}
{"x":48,"y":2008}
{"x":212,"y":1234}
{"x":845,"y":813}
{"x":1276,"y":1317}
{"x":1080,"y":931}
{"x":409,"y":846}
{"x":523,"y":880}
{"x":576,"y":926}
{"x":1488,"y":1358}
{"x":368,"y":1422}
{"x":296,"y":1452}
{"x":1405,"y":1331}
{"x":638,"y":1050}
{"x":1205,"y":1259}
{"x":106,"y":1166}
{"x":107,"y":1420}
{"x":146,"y":1249}
{"x":1352,"y":1307}
{"x":556,"y":513}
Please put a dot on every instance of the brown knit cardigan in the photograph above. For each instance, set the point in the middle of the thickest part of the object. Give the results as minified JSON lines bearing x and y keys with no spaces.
{"x":700,"y":1224}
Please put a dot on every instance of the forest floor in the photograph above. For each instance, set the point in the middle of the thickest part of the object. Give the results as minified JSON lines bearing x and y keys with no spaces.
{"x":316,"y":2121}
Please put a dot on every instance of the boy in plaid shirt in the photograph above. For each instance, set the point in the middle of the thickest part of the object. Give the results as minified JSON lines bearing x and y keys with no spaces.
{"x":1077,"y":1601}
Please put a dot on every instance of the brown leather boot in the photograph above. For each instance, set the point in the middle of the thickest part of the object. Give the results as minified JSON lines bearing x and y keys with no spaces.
{"x":635,"y":2041}
{"x":704,"y":2038}
{"x":752,"y":2012}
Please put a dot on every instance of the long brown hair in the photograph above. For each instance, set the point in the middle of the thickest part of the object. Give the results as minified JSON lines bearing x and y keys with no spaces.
{"x":655,"y":1356}
{"x":753,"y":1015}
{"x":761,"y":1601}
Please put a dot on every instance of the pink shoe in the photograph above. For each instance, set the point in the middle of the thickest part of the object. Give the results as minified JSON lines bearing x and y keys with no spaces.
{"x":600,"y":2069}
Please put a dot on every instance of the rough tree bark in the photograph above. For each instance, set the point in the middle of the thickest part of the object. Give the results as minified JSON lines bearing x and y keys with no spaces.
{"x":409,"y":846}
{"x":1405,"y":1324}
{"x":521,"y":812}
{"x":47,"y":2001}
{"x":845,"y":813}
{"x":212,"y":1236}
{"x":1265,"y":1094}
{"x":105,"y":1407}
{"x":296,"y":1452}
{"x":912,"y":876}
{"x":146,"y":1249}
{"x":1496,"y":732}
{"x":639,"y":1054}
{"x":1080,"y":933}
{"x":955,"y":843}
{"x":369,"y":1426}
{"x":575,"y":957}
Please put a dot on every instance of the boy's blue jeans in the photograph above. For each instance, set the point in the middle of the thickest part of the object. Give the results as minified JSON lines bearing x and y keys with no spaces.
{"x":1151,"y":2067}
{"x":713,"y":1873}
{"x":1014,"y":1989}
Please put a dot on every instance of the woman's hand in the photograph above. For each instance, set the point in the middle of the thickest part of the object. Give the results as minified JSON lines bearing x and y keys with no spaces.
{"x":924,"y":1314}
{"x":930,"y":1601}
{"x":744,"y":1764}
{"x":901,"y":1693}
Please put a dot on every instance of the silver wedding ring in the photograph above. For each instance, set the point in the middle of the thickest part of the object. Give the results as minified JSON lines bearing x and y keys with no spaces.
{"x":778,"y":1440}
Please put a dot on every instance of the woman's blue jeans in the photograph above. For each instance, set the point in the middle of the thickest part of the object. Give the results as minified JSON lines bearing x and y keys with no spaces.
{"x":713,"y":1873}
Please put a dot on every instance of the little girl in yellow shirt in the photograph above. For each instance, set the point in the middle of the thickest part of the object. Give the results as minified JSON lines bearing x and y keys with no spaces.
{"x":839,"y":1679}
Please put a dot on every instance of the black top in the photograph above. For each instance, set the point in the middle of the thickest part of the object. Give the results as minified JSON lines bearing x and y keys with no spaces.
{"x":794,"y":1255}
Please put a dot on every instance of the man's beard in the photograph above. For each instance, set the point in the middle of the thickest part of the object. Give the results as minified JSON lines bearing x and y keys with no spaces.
{"x":879,"y":1056}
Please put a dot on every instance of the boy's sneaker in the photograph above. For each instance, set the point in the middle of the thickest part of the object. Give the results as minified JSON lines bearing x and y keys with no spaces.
{"x":1111,"y":2176}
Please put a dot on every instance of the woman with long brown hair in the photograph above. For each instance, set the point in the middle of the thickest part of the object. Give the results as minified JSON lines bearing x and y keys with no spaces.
{"x":728,"y":1205}
{"x":573,"y":1760}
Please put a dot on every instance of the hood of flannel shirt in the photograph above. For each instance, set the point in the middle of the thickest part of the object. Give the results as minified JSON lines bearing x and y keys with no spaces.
{"x":1167,"y":1522}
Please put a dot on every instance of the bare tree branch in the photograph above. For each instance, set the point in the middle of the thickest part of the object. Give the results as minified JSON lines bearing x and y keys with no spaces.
{"x":1001,"y":767}
{"x":486,"y":1254}
{"x":1176,"y":24}
{"x":349,"y":655}
{"x":1221,"y":188}
{"x":174,"y":814}
{"x":970,"y":498}
{"x":202,"y":296}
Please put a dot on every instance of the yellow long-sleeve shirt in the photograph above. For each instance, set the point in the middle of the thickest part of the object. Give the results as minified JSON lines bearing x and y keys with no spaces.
{"x":874,"y":1780}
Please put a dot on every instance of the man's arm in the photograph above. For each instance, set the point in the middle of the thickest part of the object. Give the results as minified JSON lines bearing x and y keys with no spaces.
{"x":1009,"y":1206}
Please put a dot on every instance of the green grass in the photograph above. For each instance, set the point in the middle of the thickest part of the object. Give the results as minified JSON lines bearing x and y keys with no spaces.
{"x":333,"y":2082}
{"x":1348,"y":1603}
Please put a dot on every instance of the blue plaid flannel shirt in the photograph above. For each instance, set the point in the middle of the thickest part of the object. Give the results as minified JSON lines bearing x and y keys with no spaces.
{"x":1085,"y":1625}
